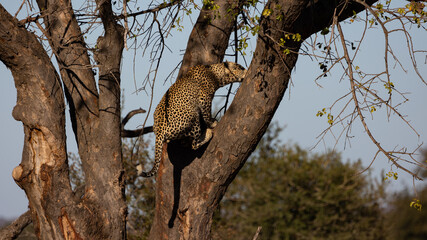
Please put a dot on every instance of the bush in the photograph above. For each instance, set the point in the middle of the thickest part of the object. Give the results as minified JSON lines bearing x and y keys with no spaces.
{"x":296,"y":195}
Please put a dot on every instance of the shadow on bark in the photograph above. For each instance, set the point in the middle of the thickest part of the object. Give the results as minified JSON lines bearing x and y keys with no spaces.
{"x":180,"y":155}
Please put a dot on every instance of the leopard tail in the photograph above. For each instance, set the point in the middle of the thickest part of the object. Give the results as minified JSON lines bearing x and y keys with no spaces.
{"x":157,"y":158}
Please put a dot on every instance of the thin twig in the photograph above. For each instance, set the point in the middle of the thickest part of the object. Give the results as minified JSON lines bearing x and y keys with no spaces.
{"x":19,"y":9}
{"x":236,"y":56}
{"x":359,"y":112}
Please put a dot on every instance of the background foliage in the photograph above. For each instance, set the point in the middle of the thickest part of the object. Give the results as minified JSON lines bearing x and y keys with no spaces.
{"x":408,"y":222}
{"x":293,"y":194}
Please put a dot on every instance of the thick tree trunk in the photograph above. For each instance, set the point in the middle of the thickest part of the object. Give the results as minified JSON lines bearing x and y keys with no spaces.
{"x":196,"y":190}
{"x":191,"y":184}
{"x":58,"y":212}
{"x":40,"y":107}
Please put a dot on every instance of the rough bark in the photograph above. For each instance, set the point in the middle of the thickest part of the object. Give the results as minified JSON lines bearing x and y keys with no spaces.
{"x":109,"y":183}
{"x":191,"y":184}
{"x":202,"y":48}
{"x":40,"y":107}
{"x":15,"y":228}
{"x":95,"y":116}
{"x":58,"y":212}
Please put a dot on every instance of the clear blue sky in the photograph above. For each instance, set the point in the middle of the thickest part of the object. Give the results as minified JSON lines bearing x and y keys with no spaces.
{"x":297,"y":111}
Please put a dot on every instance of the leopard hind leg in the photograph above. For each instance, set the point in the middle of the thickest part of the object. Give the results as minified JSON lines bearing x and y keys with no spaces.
{"x":197,"y":143}
{"x":200,"y":138}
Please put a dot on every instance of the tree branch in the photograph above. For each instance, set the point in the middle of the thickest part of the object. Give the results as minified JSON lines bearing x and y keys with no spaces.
{"x":67,"y":42}
{"x":13,"y":230}
{"x":152,"y":10}
{"x":131,"y":114}
{"x":359,"y":112}
{"x":136,"y":132}
{"x":160,"y":7}
{"x":318,"y":14}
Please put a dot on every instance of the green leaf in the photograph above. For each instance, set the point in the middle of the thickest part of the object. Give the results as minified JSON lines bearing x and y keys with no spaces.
{"x":325,"y":31}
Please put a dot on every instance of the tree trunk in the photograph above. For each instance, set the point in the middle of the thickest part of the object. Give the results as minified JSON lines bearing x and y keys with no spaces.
{"x":41,"y":110}
{"x":190,"y":184}
{"x":57,"y":211}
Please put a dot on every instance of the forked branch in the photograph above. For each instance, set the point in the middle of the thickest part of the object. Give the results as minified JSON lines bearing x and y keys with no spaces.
{"x":137,"y":132}
{"x":388,"y":154}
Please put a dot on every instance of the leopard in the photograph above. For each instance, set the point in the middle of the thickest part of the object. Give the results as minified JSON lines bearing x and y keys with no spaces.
{"x":187,"y":104}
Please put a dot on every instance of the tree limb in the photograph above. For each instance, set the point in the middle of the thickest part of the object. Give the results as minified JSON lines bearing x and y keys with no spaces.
{"x":13,"y":230}
{"x":318,"y":14}
{"x":151,"y":10}
{"x":131,"y":114}
{"x":359,"y":112}
{"x":137,"y":132}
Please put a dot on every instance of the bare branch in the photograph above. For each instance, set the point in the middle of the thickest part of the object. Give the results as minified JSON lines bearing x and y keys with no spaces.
{"x":358,"y":109}
{"x":152,"y":10}
{"x":137,"y":132}
{"x":15,"y":228}
{"x":131,"y":114}
{"x":19,"y":9}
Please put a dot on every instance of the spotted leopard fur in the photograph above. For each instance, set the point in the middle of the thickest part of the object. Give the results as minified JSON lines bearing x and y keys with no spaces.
{"x":188,"y":102}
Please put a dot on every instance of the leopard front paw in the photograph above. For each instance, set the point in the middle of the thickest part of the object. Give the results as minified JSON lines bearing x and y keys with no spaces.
{"x":214,"y":123}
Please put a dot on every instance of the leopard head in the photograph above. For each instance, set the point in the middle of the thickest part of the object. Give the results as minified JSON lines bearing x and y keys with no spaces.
{"x":228,"y":72}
